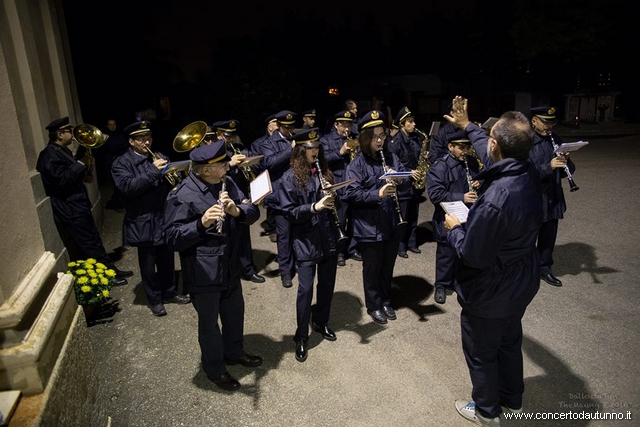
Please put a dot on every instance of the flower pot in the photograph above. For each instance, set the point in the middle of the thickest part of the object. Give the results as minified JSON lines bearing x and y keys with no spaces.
{"x":90,"y":312}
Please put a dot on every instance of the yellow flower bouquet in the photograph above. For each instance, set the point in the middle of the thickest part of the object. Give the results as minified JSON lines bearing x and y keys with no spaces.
{"x":92,"y":281}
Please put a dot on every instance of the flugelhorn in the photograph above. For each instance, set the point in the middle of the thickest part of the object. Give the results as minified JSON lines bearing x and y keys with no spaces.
{"x":323,"y":185}
{"x":171,"y":175}
{"x":395,"y":193}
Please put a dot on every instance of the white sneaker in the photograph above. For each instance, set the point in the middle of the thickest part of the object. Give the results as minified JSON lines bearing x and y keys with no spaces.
{"x":513,"y":411}
{"x":468,"y":411}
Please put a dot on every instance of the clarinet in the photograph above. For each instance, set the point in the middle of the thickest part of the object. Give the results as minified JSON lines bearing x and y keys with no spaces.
{"x":324,"y":184}
{"x":385,"y":168}
{"x":220,"y":220}
{"x":469,"y":177}
{"x":572,"y":184}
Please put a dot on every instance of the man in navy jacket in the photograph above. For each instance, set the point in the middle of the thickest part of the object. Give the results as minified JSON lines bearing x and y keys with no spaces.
{"x":499,"y":272}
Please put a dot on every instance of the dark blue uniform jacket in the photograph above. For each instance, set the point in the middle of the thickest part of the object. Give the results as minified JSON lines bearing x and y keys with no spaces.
{"x":209,"y":260}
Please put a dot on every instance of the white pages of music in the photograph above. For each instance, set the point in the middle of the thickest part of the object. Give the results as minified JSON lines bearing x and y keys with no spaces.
{"x":458,"y":209}
{"x":260,"y":187}
{"x":570,"y":146}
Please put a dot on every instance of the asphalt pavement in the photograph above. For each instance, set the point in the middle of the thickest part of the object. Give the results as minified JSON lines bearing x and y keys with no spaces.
{"x":580,"y":345}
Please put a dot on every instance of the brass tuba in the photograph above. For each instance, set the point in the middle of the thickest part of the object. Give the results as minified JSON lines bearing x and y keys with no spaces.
{"x":89,"y":137}
{"x":190,"y":136}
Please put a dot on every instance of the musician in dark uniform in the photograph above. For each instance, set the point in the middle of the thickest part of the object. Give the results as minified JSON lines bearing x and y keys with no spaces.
{"x":277,"y":153}
{"x":499,"y":272}
{"x":227,"y":130}
{"x":375,"y":214}
{"x":314,"y":234}
{"x":338,"y":154}
{"x":138,"y":176}
{"x":62,"y":176}
{"x":407,"y":145}
{"x":447,"y":181}
{"x":308,"y":119}
{"x":269,"y":224}
{"x":202,"y":215}
{"x":552,"y":170}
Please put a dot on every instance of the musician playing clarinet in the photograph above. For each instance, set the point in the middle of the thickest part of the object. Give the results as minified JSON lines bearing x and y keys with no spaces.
{"x":552,"y":169}
{"x":314,"y":234}
{"x":376,"y":214}
{"x":450,"y":179}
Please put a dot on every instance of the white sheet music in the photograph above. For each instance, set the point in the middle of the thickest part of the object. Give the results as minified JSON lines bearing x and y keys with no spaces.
{"x":458,"y":209}
{"x":570,"y":146}
{"x":260,"y":187}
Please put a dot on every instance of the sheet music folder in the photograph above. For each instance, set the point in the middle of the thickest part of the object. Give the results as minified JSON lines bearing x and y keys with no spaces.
{"x":396,"y":175}
{"x":339,"y":185}
{"x":459,"y":209}
{"x":260,"y":187}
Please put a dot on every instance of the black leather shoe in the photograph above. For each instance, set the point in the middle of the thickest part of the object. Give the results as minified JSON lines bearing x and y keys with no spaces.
{"x":403,"y":255}
{"x":247,"y":360}
{"x":255,"y":278}
{"x":325,"y":331}
{"x":551,"y":279}
{"x":286,"y":281}
{"x":389,"y":312}
{"x":117,"y":281}
{"x":341,"y":262}
{"x":378,"y":316}
{"x":415,"y":250}
{"x":301,"y":350}
{"x":441,"y":296}
{"x":355,"y":256}
{"x":226,"y":382}
{"x":158,"y":310}
{"x":179,"y":299}
{"x":122,"y":273}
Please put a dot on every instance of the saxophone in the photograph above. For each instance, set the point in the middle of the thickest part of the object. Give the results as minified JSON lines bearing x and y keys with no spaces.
{"x":423,"y":162}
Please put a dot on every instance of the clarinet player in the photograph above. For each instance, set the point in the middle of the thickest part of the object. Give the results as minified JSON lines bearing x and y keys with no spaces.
{"x":375,"y":214}
{"x":314,"y":234}
{"x":552,"y":169}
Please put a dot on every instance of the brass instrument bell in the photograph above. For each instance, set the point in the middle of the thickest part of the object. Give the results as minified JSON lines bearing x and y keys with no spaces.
{"x":88,"y":136}
{"x":190,"y":136}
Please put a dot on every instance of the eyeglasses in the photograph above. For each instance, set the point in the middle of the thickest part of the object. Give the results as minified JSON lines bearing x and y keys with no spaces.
{"x":379,"y":137}
{"x":143,"y":138}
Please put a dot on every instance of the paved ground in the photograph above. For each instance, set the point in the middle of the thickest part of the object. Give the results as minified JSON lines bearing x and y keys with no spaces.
{"x":580,"y":347}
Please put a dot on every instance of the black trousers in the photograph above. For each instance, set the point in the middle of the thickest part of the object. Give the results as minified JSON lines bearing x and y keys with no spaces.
{"x":247,"y":267}
{"x":161,"y":284}
{"x":284,"y":245}
{"x":324,"y":294}
{"x":216,"y":343}
{"x":493,"y":351}
{"x":410,"y":210}
{"x":446,"y":265}
{"x":82,"y":239}
{"x":378,"y":262}
{"x":546,"y":242}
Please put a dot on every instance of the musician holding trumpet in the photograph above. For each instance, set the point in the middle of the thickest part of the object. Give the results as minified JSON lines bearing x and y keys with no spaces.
{"x":202,"y":218}
{"x":376,"y":213}
{"x":138,"y":176}
{"x":314,"y":234}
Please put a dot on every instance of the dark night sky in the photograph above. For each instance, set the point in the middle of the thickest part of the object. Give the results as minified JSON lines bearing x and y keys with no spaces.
{"x":218,"y":59}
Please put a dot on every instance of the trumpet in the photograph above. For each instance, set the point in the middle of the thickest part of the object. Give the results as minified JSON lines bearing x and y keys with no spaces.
{"x":220,"y":221}
{"x":246,"y":170}
{"x":395,"y":194}
{"x":572,"y":184}
{"x":171,"y":175}
{"x":323,"y":185}
{"x":353,"y":145}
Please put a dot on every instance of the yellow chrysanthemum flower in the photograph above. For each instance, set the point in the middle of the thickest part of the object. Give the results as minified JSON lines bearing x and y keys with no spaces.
{"x":110,"y":273}
{"x":91,"y":261}
{"x":101,"y":266}
{"x":104,"y":281}
{"x":86,"y":289}
{"x":94,"y":281}
{"x":92,"y":273}
{"x":82,"y":280}
{"x":81,"y":272}
{"x":105,"y":293}
{"x":100,"y":270}
{"x":71,"y":264}
{"x":88,"y":266}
